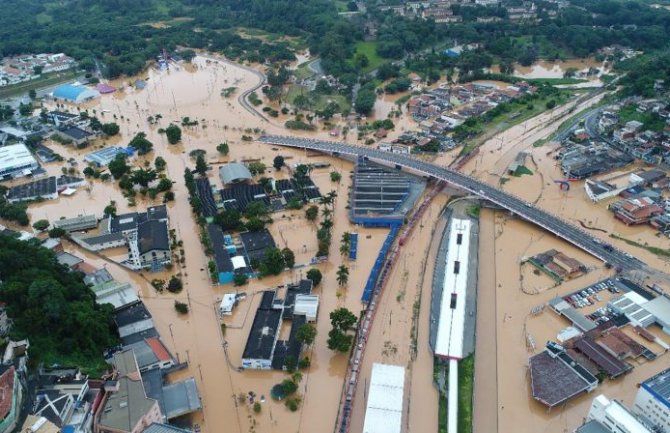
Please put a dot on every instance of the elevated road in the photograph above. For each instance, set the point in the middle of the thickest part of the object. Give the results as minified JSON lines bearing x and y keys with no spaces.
{"x":559,"y":227}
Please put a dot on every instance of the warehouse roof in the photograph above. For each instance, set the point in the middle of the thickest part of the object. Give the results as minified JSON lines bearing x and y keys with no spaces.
{"x":15,"y":155}
{"x":234,"y":172}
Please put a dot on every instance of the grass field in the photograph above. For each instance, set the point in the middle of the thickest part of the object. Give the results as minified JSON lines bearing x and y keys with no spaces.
{"x":650,"y":121}
{"x":370,"y":51}
{"x":44,"y":81}
{"x":466,"y":376}
{"x":321,"y":100}
{"x":556,"y":81}
{"x":654,"y":250}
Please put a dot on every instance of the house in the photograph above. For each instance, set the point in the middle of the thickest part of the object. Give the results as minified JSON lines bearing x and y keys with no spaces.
{"x":75,"y":134}
{"x":78,"y":223}
{"x":153,"y":244}
{"x":125,"y":407}
{"x":132,"y":319}
{"x":11,"y":396}
{"x":636,"y":210}
{"x":150,"y":354}
{"x":62,"y":398}
{"x":234,"y":172}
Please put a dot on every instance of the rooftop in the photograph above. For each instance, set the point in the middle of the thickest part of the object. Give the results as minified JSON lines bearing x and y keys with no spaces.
{"x":164,"y":428}
{"x":255,"y":243}
{"x":6,"y":391}
{"x":153,"y":235}
{"x":131,"y":314}
{"x":264,"y":329}
{"x":659,"y":386}
{"x":38,"y":188}
{"x":234,"y":172}
{"x":552,"y":381}
{"x":383,"y":413}
{"x":15,"y":155}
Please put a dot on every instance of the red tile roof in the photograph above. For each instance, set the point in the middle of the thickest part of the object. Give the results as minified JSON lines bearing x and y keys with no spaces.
{"x":6,"y":392}
{"x":159,"y":349}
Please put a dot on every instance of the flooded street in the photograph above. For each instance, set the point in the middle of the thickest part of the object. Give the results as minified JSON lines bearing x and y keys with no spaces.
{"x":557,"y":69}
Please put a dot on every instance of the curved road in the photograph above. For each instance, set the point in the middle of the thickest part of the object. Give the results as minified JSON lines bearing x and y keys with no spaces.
{"x":555,"y":225}
{"x":242,"y":99}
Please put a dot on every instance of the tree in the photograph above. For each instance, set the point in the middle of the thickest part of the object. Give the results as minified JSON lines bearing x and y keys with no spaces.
{"x":141,"y":144}
{"x":110,"y":129}
{"x":118,"y":167}
{"x":57,"y":232}
{"x":339,"y":341}
{"x":160,"y":163}
{"x":311,"y":213}
{"x":342,"y":275}
{"x":306,"y":334}
{"x":256,"y":209}
{"x":25,"y":109}
{"x":229,"y":219}
{"x":240,"y":280}
{"x":289,"y":386}
{"x":37,"y":69}
{"x":289,"y":257}
{"x":143,"y":177}
{"x":223,"y":148}
{"x":181,"y":307}
{"x":32,"y":94}
{"x":173,"y":133}
{"x":201,"y":165}
{"x":255,"y":224}
{"x":342,"y":319}
{"x":165,"y":184}
{"x":41,"y":225}
{"x":551,"y":104}
{"x":257,"y":407}
{"x":365,"y":101}
{"x":335,"y":176}
{"x":314,"y":275}
{"x":256,"y":168}
{"x":175,"y":284}
{"x":273,"y":262}
{"x":278,"y":162}
{"x":110,"y":209}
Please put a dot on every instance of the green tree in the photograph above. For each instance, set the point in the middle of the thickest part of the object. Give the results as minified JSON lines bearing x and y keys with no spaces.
{"x":175,"y":284}
{"x":256,"y":209}
{"x":306,"y":334}
{"x":160,"y":163}
{"x":165,"y":184}
{"x":141,"y":144}
{"x":32,"y":94}
{"x":57,"y":232}
{"x":273,"y":263}
{"x":229,"y":219}
{"x":311,"y":213}
{"x":342,"y":319}
{"x":240,"y":279}
{"x":173,"y":133}
{"x":289,"y":386}
{"x":201,"y":165}
{"x":289,"y":257}
{"x":110,"y":209}
{"x":256,"y":168}
{"x":278,"y":162}
{"x":335,"y":176}
{"x":339,"y":341}
{"x":143,"y":177}
{"x":110,"y":129}
{"x":342,"y":275}
{"x":118,"y":167}
{"x":181,"y":307}
{"x":41,"y":225}
{"x":314,"y":275}
{"x":365,"y":101}
{"x":223,"y":148}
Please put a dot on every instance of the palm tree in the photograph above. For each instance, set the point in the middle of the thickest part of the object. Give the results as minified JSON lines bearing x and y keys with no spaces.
{"x":342,"y":275}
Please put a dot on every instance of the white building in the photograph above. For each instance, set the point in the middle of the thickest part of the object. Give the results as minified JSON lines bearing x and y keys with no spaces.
{"x":614,"y":417}
{"x":652,"y":402}
{"x":16,"y":161}
{"x":383,"y":413}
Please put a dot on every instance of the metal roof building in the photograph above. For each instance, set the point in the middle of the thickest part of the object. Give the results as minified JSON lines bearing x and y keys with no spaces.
{"x":449,"y":340}
{"x":76,"y":94}
{"x":234,"y":172}
{"x":383,"y":413}
{"x":16,"y":161}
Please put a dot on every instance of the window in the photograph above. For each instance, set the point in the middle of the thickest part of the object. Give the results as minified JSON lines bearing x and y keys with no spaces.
{"x":457,"y":266}
{"x":459,"y":238}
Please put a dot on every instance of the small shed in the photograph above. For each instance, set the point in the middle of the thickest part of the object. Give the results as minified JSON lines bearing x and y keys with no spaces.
{"x":308,"y":306}
{"x":228,"y":302}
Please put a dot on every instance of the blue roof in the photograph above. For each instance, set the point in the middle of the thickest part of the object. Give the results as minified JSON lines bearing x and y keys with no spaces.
{"x":68,"y":91}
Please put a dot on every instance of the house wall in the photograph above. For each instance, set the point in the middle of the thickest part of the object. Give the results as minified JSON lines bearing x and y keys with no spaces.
{"x":652,"y":408}
{"x":257,"y":364}
{"x":155,"y":256}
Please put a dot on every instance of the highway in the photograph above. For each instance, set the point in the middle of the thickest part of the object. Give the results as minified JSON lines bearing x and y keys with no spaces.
{"x":561,"y":228}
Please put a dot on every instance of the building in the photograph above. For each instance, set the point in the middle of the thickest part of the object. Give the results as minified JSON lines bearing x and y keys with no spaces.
{"x":78,"y":223}
{"x":75,"y":134}
{"x":150,"y":354}
{"x":615,"y":417}
{"x":636,"y":210}
{"x":652,"y":402}
{"x":260,"y":346}
{"x":115,"y":293}
{"x":383,"y":412}
{"x":133,"y":319}
{"x":448,"y":339}
{"x":234,"y":172}
{"x":125,"y":407}
{"x":46,"y":188}
{"x":16,"y":161}
{"x":74,"y":93}
{"x":62,"y":397}
{"x":102,"y":157}
{"x":164,"y":428}
{"x":153,"y":243}
{"x":11,"y":395}
{"x":256,"y":243}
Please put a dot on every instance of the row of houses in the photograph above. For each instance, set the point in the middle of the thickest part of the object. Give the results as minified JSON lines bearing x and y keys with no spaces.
{"x":25,"y":67}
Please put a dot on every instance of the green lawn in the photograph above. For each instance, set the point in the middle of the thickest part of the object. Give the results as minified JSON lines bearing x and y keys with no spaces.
{"x":370,"y":50}
{"x":556,"y":81}
{"x":654,"y":250}
{"x":320,"y":101}
{"x":466,"y":383}
{"x":43,"y":81}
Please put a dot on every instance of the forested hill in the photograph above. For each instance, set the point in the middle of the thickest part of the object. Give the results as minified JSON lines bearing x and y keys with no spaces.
{"x":52,"y":306}
{"x":118,"y":31}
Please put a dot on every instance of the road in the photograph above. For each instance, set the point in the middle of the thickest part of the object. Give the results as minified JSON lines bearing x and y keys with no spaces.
{"x":242,"y":99}
{"x":554,"y":224}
